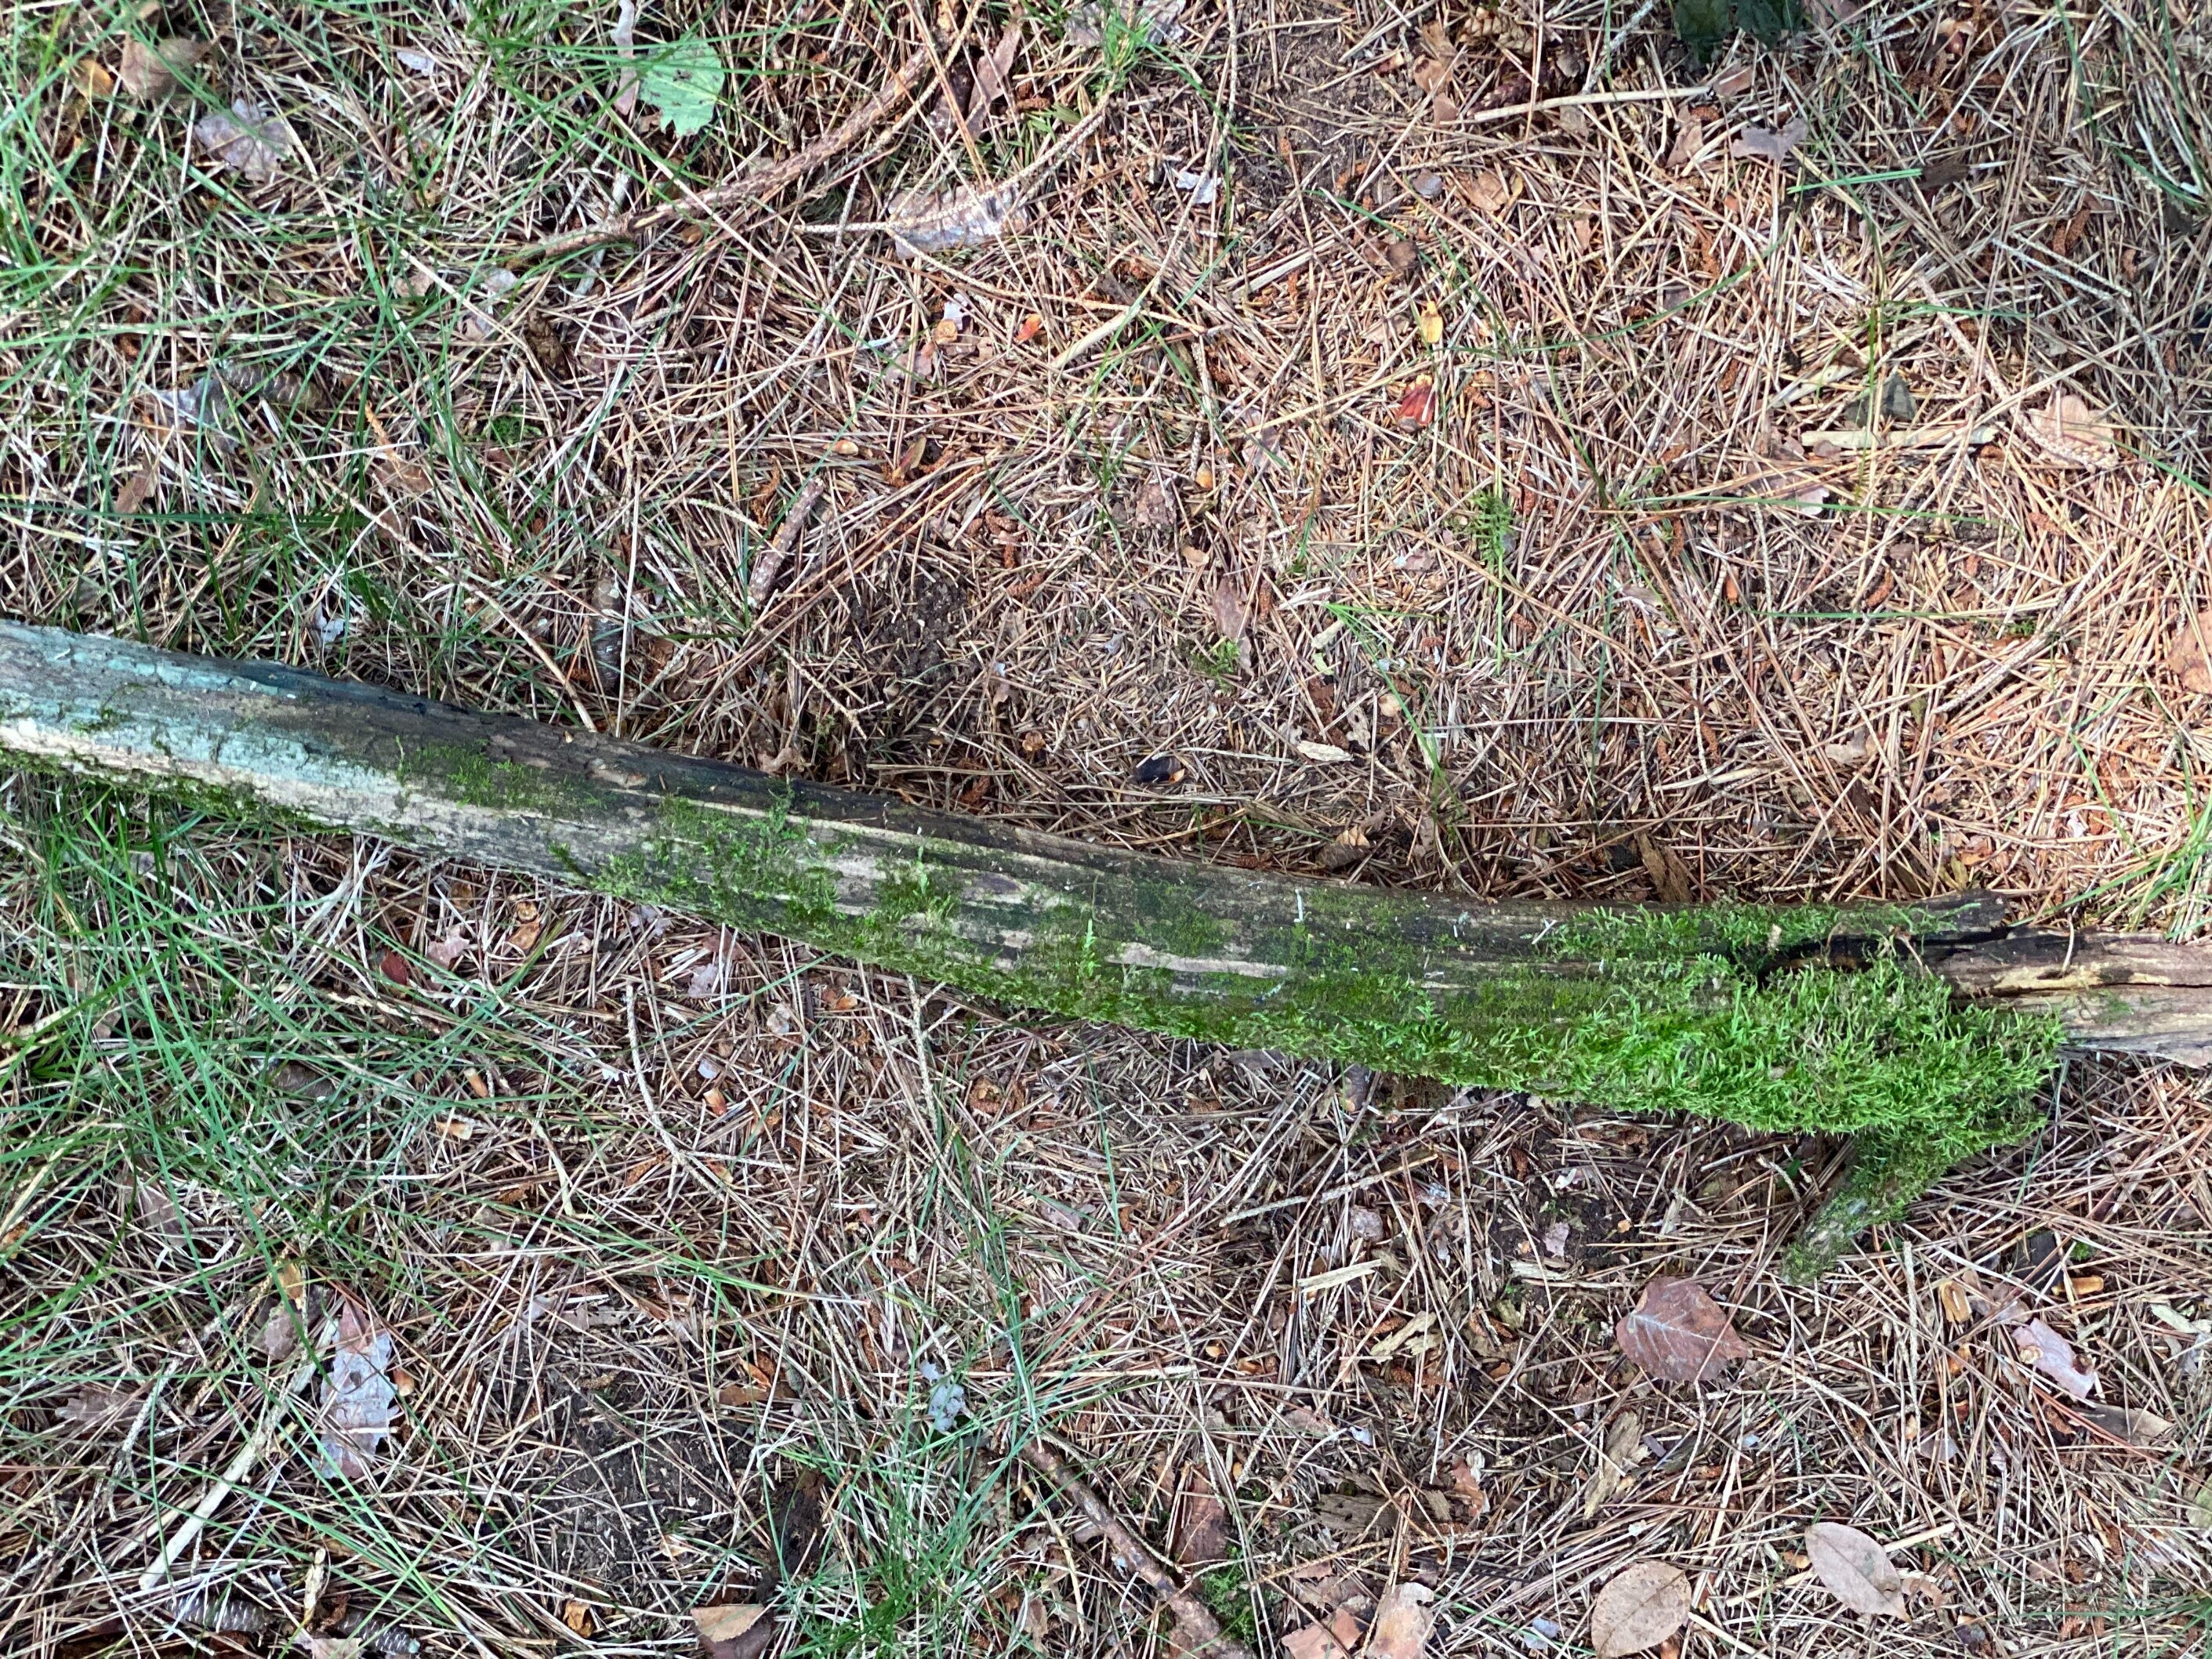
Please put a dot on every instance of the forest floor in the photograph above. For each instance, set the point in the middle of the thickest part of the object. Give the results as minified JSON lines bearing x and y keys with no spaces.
{"x":1474,"y":449}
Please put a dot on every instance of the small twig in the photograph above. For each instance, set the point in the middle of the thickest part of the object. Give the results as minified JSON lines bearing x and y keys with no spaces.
{"x":770,"y":563}
{"x":239,"y":1468}
{"x":751,"y":188}
{"x":1198,"y":1632}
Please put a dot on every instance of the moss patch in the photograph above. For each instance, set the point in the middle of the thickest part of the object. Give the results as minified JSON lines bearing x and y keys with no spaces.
{"x":1635,"y":1010}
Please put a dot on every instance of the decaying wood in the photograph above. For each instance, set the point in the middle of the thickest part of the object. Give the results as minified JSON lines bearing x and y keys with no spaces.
{"x":1390,"y":979}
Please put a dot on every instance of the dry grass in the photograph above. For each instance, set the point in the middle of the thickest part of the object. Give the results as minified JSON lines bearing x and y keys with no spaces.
{"x":1573,"y":617}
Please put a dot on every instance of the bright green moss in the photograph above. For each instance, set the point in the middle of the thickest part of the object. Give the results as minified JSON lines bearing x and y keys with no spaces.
{"x":1708,"y":1011}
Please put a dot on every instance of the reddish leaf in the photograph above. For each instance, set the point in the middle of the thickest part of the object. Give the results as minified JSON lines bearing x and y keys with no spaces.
{"x":2189,"y":655}
{"x":1417,"y":405}
{"x":1679,"y":1333}
{"x":394,"y":966}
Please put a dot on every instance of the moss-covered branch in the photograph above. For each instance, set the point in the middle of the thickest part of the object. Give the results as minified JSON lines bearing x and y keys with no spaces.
{"x":1746,"y":1012}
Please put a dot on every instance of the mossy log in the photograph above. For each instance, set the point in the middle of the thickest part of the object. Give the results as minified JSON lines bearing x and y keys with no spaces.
{"x":1925,"y":1030}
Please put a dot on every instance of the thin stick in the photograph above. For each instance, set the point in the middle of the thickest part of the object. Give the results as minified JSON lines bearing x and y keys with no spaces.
{"x":239,"y":1467}
{"x":1197,"y":1631}
{"x":786,"y":538}
{"x":751,"y":188}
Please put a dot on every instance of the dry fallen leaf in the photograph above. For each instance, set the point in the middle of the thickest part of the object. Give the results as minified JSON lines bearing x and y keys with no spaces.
{"x":148,"y":72}
{"x":1489,"y":192}
{"x":1765,"y":144}
{"x":1325,"y":753}
{"x":1204,"y":1536}
{"x":1784,"y":480}
{"x":1670,"y":877}
{"x":1639,"y":1608}
{"x":1315,"y":1641}
{"x":721,"y":1629}
{"x":1417,"y":405}
{"x":2072,"y":434}
{"x":2051,"y":1354}
{"x":1679,"y":1333}
{"x":577,"y":1616}
{"x":95,"y":1404}
{"x":90,"y":77}
{"x":357,"y":1396}
{"x":1402,"y":1623}
{"x":1232,"y":607}
{"x":2130,"y":1426}
{"x":1155,"y":507}
{"x":1624,"y":1445}
{"x":137,"y":490}
{"x":926,"y":221}
{"x":2189,"y":655}
{"x":1689,"y":139}
{"x":1855,"y":1569}
{"x":247,"y":138}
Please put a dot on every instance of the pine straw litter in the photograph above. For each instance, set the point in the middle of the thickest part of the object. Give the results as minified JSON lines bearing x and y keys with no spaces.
{"x":1422,"y":458}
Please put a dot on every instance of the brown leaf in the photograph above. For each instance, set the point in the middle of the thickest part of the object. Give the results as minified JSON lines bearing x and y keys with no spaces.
{"x":2131,"y":1427}
{"x":247,"y":138}
{"x":149,"y":72}
{"x":137,"y":490}
{"x":991,"y":72}
{"x":393,"y":967}
{"x":358,"y":1399}
{"x":2051,"y":1354}
{"x":1315,"y":1641}
{"x":2072,"y":434}
{"x":1402,"y":1623}
{"x":722,"y":1629}
{"x":1855,"y":1569}
{"x":1623,"y":1447}
{"x":1765,"y":144}
{"x":1155,"y":507}
{"x":157,"y":1211}
{"x":577,"y":1616}
{"x":1670,"y":877}
{"x":1689,"y":139}
{"x":1490,"y":192}
{"x":1432,"y":74}
{"x":1232,"y":609}
{"x":95,"y":1405}
{"x":90,"y":77}
{"x":2189,"y":655}
{"x":1417,"y":405}
{"x":1679,"y":1333}
{"x":1203,"y":1538}
{"x":1639,"y":1608}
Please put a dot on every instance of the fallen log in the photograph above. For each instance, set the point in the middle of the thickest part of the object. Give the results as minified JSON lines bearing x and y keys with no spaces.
{"x":1925,"y":1031}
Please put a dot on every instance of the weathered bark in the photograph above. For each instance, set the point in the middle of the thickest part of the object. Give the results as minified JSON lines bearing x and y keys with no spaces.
{"x":1513,"y":994}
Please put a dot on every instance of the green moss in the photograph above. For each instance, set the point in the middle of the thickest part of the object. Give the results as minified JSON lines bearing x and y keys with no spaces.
{"x":467,"y":774}
{"x":748,"y":870}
